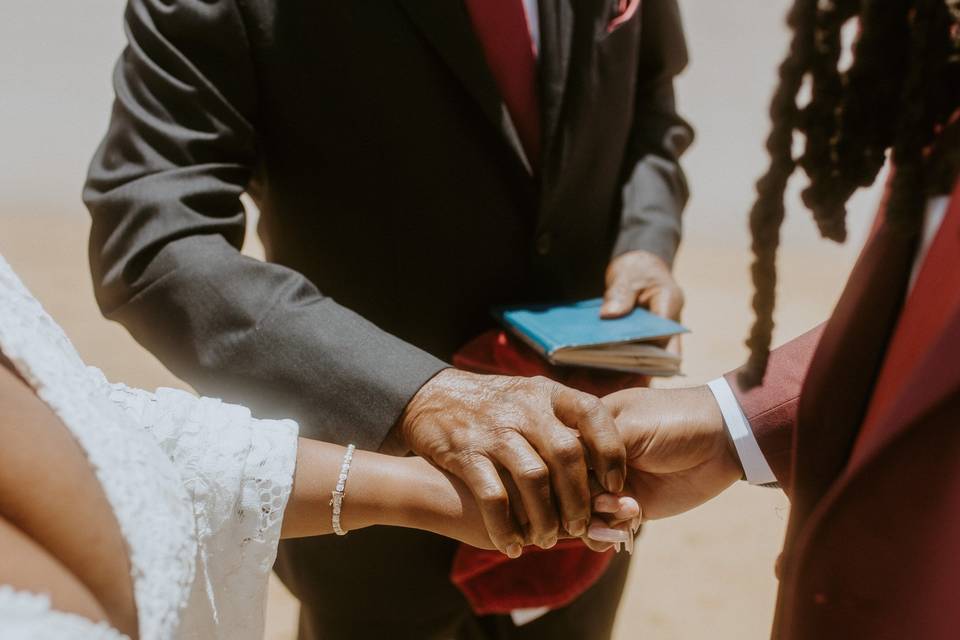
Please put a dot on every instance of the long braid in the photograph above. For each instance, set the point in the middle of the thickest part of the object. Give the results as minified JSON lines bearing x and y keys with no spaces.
{"x":894,"y":95}
{"x":874,"y":87}
{"x":820,"y":120}
{"x":920,"y":114}
{"x":766,"y":217}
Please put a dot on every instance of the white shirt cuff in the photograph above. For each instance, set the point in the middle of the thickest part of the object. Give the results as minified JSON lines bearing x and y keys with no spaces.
{"x":526,"y":616}
{"x":754,"y":465}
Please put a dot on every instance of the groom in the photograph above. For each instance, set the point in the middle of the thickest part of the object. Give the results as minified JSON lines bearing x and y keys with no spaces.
{"x":415,"y":163}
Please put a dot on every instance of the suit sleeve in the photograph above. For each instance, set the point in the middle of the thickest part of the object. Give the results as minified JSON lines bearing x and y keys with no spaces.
{"x":167,"y":225}
{"x":655,"y":191}
{"x":771,"y":408}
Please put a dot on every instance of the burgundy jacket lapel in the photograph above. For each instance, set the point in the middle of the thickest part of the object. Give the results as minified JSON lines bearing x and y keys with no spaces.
{"x":935,"y":380}
{"x":844,"y":369}
{"x":933,"y":371}
{"x":839,"y":382}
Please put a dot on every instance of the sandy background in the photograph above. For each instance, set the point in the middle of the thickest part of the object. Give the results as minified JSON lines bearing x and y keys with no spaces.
{"x":708,"y":574}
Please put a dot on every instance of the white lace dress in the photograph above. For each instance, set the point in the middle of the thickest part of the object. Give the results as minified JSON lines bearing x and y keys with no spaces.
{"x":198,"y":487}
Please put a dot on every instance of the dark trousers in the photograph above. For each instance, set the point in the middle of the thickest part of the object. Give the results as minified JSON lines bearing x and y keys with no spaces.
{"x":385,"y":582}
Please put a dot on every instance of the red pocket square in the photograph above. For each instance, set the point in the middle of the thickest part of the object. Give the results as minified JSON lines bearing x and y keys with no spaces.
{"x":625,"y":10}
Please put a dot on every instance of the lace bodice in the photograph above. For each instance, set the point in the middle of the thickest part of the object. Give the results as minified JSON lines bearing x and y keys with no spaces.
{"x":198,"y":486}
{"x":28,"y":615}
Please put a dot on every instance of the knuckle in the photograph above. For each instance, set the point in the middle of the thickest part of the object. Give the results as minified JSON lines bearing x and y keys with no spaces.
{"x":588,"y":405}
{"x":535,"y":475}
{"x":463,"y":457}
{"x":462,"y":441}
{"x":493,"y":496}
{"x":567,"y":450}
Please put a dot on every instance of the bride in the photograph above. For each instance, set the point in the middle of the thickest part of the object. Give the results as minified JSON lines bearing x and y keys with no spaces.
{"x":128,"y":514}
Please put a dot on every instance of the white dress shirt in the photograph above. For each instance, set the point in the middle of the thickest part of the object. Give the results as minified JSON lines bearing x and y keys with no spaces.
{"x":533,"y":22}
{"x":754,"y":464}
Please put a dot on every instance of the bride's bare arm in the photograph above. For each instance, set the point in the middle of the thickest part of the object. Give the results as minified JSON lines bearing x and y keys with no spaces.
{"x":49,"y":494}
{"x":407,"y":492}
{"x":404,"y":492}
{"x":28,"y":567}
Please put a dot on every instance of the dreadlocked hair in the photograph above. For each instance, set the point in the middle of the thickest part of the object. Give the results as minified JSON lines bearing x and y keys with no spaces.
{"x":893,"y":97}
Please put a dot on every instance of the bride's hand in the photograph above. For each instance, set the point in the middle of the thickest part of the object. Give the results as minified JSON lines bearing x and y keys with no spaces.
{"x":404,"y":492}
{"x":448,"y":508}
{"x":616,"y":519}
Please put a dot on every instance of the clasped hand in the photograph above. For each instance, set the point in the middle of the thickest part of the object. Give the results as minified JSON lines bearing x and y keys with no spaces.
{"x":526,"y":448}
{"x":544,"y":462}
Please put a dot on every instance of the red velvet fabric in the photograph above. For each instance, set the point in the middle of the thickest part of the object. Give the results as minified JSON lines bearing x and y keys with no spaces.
{"x":491,"y":582}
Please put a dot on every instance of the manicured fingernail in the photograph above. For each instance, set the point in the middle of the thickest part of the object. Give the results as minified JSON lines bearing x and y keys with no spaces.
{"x":514,"y":550}
{"x":576,"y":528}
{"x":614,"y":481}
{"x":627,"y":507}
{"x":606,"y":534}
{"x":606,"y":503}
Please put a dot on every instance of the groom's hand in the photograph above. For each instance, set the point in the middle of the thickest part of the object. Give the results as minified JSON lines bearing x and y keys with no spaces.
{"x":534,"y":430}
{"x":678,"y":453}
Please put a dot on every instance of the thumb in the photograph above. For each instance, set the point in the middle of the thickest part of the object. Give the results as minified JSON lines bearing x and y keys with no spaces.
{"x":618,"y":301}
{"x":615,"y":402}
{"x":665,"y":301}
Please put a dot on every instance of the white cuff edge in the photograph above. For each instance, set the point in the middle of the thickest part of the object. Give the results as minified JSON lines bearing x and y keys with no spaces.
{"x":754,"y":464}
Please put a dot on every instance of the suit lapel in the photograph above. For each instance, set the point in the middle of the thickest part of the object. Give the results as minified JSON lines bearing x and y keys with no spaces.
{"x":568,"y":35}
{"x":932,"y":371}
{"x":930,"y":378}
{"x":936,"y":378}
{"x":556,"y":46}
{"x":838,"y":387}
{"x":446,"y":26}
{"x":935,"y":382}
{"x":844,"y":370}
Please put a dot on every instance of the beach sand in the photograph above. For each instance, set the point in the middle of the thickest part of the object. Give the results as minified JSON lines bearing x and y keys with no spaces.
{"x":706,"y":574}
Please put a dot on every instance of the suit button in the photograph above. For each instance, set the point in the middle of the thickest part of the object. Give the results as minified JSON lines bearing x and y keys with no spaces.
{"x":820,"y":599}
{"x":544,"y":243}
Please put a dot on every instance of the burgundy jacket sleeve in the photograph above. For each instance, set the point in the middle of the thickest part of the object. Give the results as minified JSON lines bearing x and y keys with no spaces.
{"x":771,"y":408}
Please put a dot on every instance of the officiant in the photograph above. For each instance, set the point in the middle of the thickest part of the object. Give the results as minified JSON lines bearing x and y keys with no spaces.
{"x":415,"y":163}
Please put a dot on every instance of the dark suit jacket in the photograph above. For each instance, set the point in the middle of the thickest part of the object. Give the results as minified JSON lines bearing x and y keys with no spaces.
{"x":873,"y":543}
{"x":397,"y":205}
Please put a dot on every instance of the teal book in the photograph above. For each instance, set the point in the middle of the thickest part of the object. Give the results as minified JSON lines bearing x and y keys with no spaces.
{"x":575,"y":335}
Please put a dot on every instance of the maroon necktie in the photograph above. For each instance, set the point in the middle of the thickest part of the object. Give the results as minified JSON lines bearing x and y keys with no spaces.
{"x":501,"y":26}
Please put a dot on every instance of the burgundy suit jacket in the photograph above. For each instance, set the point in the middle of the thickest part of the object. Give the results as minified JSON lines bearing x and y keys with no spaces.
{"x":873,"y":545}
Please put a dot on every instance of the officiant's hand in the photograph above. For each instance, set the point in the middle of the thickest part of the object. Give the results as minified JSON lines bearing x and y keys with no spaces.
{"x":642,"y":278}
{"x":539,"y":432}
